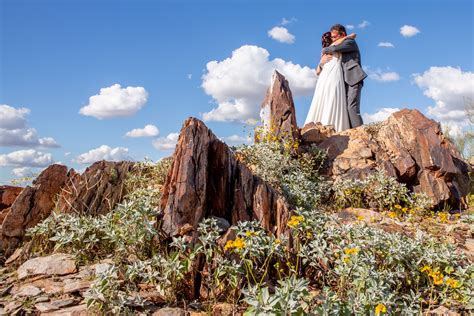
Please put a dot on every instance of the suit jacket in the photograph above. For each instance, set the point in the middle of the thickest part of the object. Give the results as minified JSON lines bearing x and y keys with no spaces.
{"x":351,"y":65}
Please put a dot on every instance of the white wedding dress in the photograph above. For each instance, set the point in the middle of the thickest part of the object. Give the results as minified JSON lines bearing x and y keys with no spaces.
{"x":329,"y":101}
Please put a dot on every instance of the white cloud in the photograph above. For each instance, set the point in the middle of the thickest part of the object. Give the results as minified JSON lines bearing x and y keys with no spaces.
{"x":386,"y":44}
{"x":238,"y":84}
{"x":190,"y":76}
{"x":363,"y":25}
{"x":282,"y":35}
{"x":148,"y":131}
{"x":12,"y":118}
{"x":22,"y":172}
{"x":14,"y":130}
{"x":26,"y":158}
{"x":381,"y":115}
{"x":236,"y":140}
{"x":350,"y":27}
{"x":409,"y":31}
{"x":115,"y":101}
{"x":103,"y":152}
{"x":166,"y":143}
{"x":382,"y":76}
{"x":285,"y":21}
{"x":67,"y":153}
{"x":450,"y":88}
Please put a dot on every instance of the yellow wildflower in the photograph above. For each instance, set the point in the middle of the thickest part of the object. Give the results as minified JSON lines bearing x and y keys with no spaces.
{"x":346,"y":259}
{"x":351,"y":251}
{"x":443,"y":217}
{"x":404,"y":210}
{"x":239,"y":243}
{"x":277,"y":241}
{"x":380,"y":308}
{"x":360,"y":218}
{"x":426,"y":269}
{"x":437,"y":277}
{"x":309,"y":235}
{"x":452,"y":283}
{"x":229,"y":245}
{"x":398,"y":206}
{"x":392,"y":214}
{"x":249,"y":233}
{"x":295,"y":220}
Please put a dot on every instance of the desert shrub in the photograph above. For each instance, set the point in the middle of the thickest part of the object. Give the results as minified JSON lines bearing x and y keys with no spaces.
{"x":380,"y":192}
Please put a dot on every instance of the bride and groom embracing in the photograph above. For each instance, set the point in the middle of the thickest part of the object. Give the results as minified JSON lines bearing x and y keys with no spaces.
{"x":336,"y":99}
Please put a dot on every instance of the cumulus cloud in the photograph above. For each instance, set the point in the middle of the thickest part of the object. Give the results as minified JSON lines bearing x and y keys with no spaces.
{"x":386,"y":44}
{"x":22,"y":172}
{"x":115,"y":101}
{"x":14,"y":130}
{"x":148,"y":131}
{"x":236,"y":140}
{"x":350,"y":27}
{"x":363,"y":24}
{"x":382,"y":76}
{"x":166,"y":143}
{"x":103,"y":152}
{"x":238,"y":83}
{"x":286,"y":21}
{"x":12,"y":118}
{"x":190,"y":76}
{"x":26,"y":158}
{"x":450,"y":88}
{"x":409,"y":31}
{"x":282,"y":35}
{"x":381,"y":115}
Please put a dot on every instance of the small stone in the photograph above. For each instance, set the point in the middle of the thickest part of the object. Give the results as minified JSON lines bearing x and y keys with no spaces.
{"x":64,"y":302}
{"x":79,"y":310}
{"x":168,"y":311}
{"x":56,"y":264}
{"x":27,"y":290}
{"x":45,"y":307}
{"x":76,"y":286}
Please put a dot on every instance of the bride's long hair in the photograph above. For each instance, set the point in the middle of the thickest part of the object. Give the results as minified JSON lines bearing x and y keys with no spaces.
{"x":326,"y":39}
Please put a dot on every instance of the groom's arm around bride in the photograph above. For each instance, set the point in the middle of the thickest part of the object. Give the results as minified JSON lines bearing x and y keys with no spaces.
{"x":352,"y":69}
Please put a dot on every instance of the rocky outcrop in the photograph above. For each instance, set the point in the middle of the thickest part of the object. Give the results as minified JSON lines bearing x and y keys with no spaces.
{"x":315,"y":133}
{"x":277,"y":111}
{"x":407,"y":146}
{"x":8,"y":195}
{"x":97,"y":191}
{"x":206,"y":179}
{"x":32,"y":205}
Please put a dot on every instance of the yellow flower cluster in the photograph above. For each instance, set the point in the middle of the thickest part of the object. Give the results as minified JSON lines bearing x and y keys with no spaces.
{"x":238,"y":243}
{"x":295,"y":220}
{"x":443,"y":217}
{"x":351,"y":251}
{"x":434,"y":274}
{"x":453,"y":283}
{"x":392,"y":214}
{"x":380,"y":308}
{"x":249,"y":233}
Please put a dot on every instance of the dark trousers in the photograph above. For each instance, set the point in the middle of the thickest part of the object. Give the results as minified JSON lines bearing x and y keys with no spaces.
{"x":353,"y":103}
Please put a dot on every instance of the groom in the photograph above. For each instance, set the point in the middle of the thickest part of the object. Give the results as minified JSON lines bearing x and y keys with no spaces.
{"x":353,"y":74}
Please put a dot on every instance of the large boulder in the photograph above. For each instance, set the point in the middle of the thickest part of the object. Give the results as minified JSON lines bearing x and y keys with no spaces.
{"x":206,"y":179}
{"x":277,"y":112}
{"x":32,"y":205}
{"x":97,"y":191}
{"x":408,"y":146}
{"x":8,"y":195}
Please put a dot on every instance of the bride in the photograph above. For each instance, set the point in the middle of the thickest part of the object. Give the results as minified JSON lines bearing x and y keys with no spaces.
{"x":329,"y":101}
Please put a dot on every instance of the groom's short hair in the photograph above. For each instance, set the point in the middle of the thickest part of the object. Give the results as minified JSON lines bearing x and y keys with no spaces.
{"x":340,"y":28}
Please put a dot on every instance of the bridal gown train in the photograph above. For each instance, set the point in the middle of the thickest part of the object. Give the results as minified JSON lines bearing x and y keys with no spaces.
{"x":329,"y":100}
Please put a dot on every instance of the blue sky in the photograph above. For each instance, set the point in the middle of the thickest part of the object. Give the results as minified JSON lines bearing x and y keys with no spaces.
{"x":56,"y":55}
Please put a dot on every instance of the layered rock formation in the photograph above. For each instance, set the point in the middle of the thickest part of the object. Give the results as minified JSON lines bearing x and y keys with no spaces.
{"x":8,"y":195}
{"x":409,"y":147}
{"x":277,"y":111}
{"x":206,"y":179}
{"x":32,"y":206}
{"x":97,"y":191}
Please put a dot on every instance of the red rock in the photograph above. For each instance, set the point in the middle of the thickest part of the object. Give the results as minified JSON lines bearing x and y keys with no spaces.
{"x":32,"y":205}
{"x":97,"y":191}
{"x":409,"y":147}
{"x":8,"y":194}
{"x":278,"y":110}
{"x":206,"y":179}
